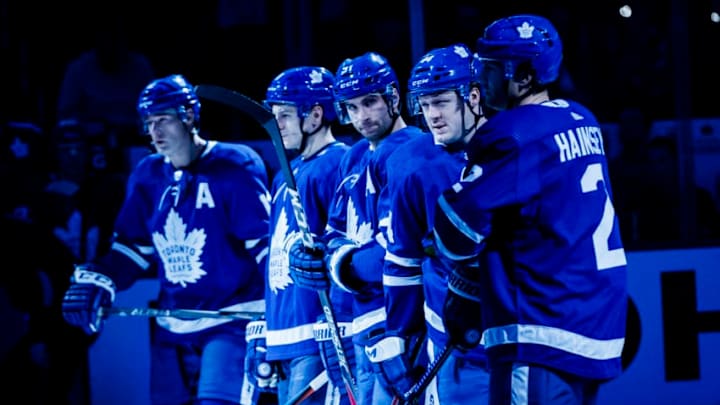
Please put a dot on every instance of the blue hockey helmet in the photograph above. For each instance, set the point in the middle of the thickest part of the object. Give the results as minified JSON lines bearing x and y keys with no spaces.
{"x":304,"y":87}
{"x":447,"y":68}
{"x":365,"y":74}
{"x":169,"y":93}
{"x":523,"y":38}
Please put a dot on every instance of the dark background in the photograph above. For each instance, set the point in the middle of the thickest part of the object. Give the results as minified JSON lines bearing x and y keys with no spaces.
{"x":659,"y":65}
{"x":613,"y":62}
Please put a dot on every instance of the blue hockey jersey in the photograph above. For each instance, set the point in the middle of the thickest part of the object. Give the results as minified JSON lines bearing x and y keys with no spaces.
{"x":202,"y":228}
{"x":292,"y":311}
{"x":416,"y":282}
{"x":538,"y":205}
{"x":358,"y":213}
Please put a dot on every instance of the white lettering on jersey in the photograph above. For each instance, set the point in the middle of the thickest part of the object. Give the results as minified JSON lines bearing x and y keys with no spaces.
{"x":180,"y":251}
{"x":204,"y":196}
{"x":581,"y":141}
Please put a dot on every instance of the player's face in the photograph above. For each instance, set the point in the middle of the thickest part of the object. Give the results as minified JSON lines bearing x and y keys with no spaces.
{"x":443,"y":115}
{"x":370,"y":115}
{"x":170,"y":135}
{"x":289,"y":123}
{"x":494,"y":85}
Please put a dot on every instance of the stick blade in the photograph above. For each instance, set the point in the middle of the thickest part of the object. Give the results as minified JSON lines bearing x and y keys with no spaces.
{"x":236,"y":100}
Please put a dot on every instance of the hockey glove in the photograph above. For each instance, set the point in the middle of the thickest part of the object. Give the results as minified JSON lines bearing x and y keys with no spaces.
{"x":328,"y":353}
{"x":307,"y":265}
{"x":260,"y":372}
{"x":462,"y":311}
{"x":394,"y":361}
{"x":354,"y":268}
{"x":88,"y":292}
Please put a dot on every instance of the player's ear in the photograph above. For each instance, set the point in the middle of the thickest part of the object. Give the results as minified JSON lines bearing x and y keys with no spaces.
{"x":189,"y":117}
{"x":317,"y":112}
{"x":474,"y":96}
{"x":395,"y":99}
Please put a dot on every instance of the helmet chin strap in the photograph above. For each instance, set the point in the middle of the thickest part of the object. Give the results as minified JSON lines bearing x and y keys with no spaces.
{"x":393,"y":115}
{"x":389,"y":130}
{"x":306,"y":135}
{"x":476,"y":119}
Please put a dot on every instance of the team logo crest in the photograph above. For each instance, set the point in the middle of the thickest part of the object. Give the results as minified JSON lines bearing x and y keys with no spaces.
{"x":180,"y":251}
{"x":361,"y":233}
{"x":316,"y":77}
{"x":278,"y":264}
{"x":461,"y":51}
{"x":525,"y":30}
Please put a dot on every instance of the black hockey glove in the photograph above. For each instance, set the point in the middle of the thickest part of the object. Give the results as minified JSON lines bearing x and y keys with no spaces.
{"x":328,"y":353}
{"x":88,"y":292}
{"x":260,"y":372}
{"x":462,"y":311}
{"x":307,"y":265}
{"x":394,"y":360}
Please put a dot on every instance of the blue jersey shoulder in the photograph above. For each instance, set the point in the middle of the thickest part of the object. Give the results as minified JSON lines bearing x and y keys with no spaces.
{"x":510,"y":129}
{"x":240,"y":155}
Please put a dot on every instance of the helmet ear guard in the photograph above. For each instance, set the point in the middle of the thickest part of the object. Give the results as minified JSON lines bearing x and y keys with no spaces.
{"x":394,"y":99}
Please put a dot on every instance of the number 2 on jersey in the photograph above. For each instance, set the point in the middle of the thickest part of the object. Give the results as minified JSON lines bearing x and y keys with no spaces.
{"x":605,"y":258}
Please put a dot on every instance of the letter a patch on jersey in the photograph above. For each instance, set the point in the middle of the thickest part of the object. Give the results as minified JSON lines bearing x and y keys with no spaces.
{"x":204,"y":196}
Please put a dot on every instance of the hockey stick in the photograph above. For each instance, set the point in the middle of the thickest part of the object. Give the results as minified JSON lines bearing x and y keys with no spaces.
{"x":312,"y":387}
{"x":424,"y":380}
{"x":178,"y":313}
{"x":267,"y":120}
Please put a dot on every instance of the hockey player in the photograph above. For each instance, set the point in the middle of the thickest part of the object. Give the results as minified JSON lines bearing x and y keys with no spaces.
{"x":536,"y":209}
{"x":301,"y":99}
{"x":366,"y":95}
{"x":196,"y":213}
{"x":442,"y":91}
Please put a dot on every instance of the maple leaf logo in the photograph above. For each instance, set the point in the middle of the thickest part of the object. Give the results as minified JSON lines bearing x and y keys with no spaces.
{"x":461,"y":51}
{"x":359,"y":233}
{"x":316,"y":77}
{"x":525,"y":30}
{"x":180,"y":252}
{"x":278,"y":266}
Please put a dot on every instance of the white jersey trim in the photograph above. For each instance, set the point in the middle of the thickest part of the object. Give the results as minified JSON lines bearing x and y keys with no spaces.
{"x":368,"y":320}
{"x":290,"y":336}
{"x":458,"y":222}
{"x":131,"y":254}
{"x":395,"y":281}
{"x":433,"y":319}
{"x":556,"y":338}
{"x":403,"y":261}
